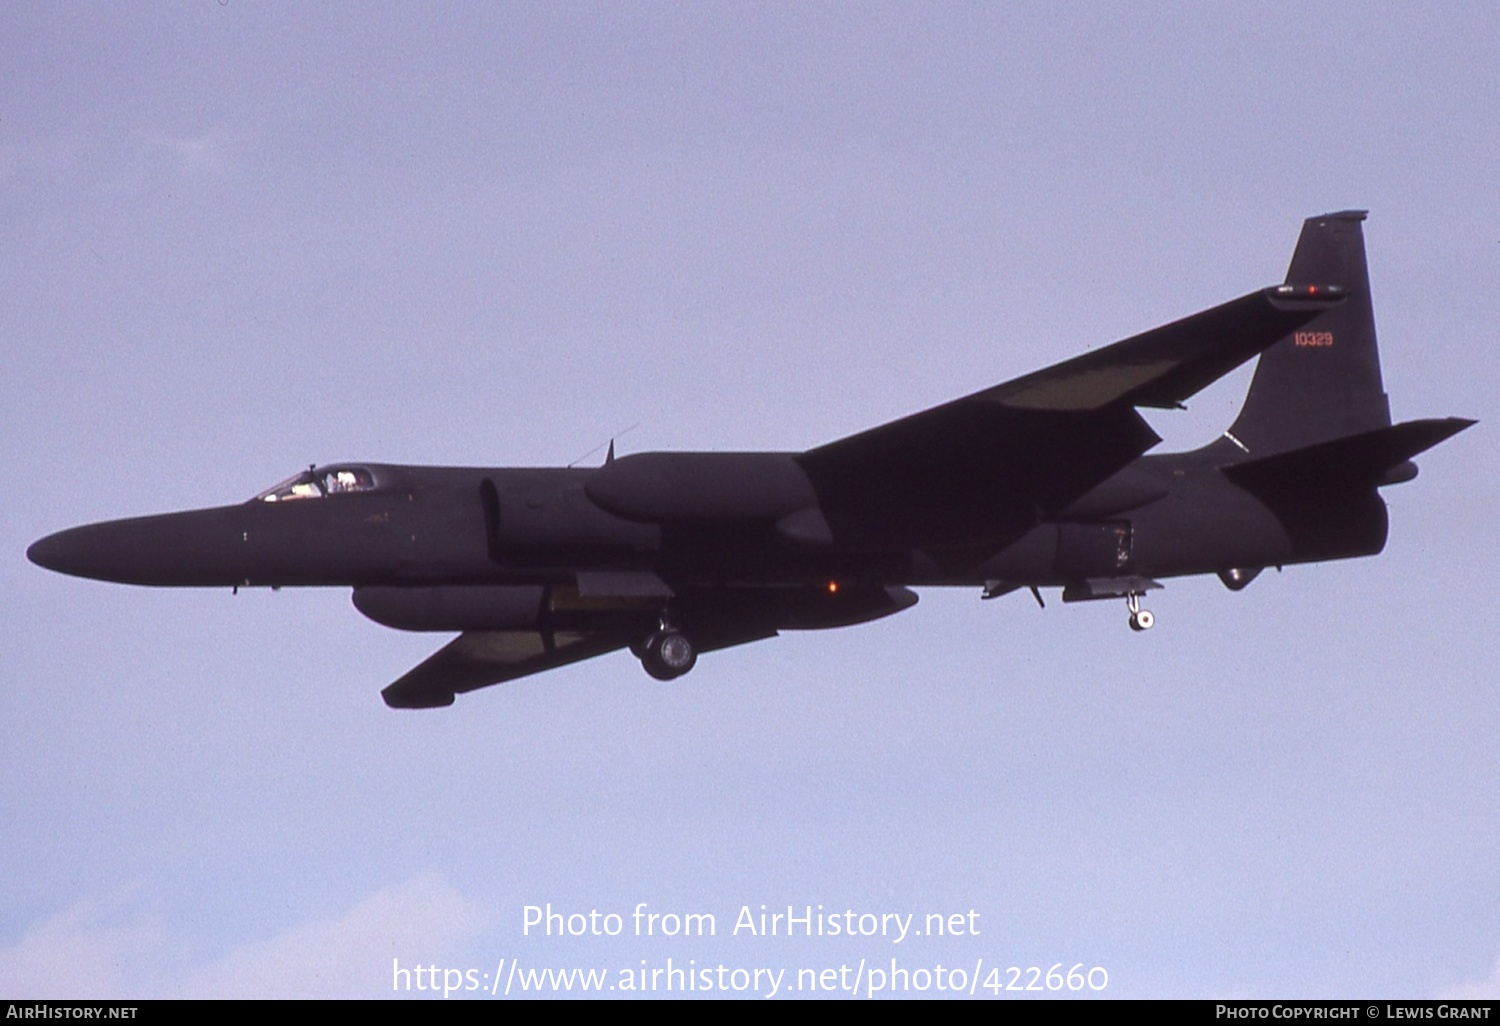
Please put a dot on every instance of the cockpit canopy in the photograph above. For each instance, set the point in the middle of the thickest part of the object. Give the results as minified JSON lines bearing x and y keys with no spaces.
{"x":319,"y":482}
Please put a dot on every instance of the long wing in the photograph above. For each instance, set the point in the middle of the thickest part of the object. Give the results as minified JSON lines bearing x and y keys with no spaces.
{"x":975,"y":472}
{"x":477,"y":659}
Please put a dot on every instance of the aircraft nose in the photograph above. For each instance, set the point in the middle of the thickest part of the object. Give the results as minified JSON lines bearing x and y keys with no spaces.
{"x":172,"y":549}
{"x":67,"y":552}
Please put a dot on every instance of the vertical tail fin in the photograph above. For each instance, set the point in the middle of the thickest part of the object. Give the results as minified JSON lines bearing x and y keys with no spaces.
{"x":1322,"y":382}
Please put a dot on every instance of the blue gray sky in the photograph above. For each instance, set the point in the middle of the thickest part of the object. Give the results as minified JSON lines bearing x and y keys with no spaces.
{"x":239,"y":238}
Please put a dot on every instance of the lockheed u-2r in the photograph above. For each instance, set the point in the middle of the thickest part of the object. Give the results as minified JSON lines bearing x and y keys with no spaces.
{"x":1038,"y":482}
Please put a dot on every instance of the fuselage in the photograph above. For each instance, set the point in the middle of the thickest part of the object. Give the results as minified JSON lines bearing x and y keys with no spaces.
{"x":411,"y":527}
{"x":1040,"y":481}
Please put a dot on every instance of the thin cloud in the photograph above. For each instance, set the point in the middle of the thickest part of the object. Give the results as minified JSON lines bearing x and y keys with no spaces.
{"x":208,"y":155}
{"x":103,"y":949}
{"x":1475,"y":990}
{"x":92,"y":949}
{"x":422,"y":920}
{"x":35,"y":161}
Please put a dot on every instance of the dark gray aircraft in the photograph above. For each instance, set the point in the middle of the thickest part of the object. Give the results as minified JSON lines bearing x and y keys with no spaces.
{"x":1038,"y":482}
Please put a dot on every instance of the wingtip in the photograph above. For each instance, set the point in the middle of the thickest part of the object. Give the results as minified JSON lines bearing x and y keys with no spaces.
{"x":397,"y":698}
{"x":1454,"y":425}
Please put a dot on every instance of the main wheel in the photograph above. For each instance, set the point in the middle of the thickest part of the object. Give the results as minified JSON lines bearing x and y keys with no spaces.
{"x":668,"y":655}
{"x":1142,"y":620}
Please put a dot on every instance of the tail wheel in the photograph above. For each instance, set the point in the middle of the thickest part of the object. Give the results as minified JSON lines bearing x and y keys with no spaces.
{"x":1140,"y":619}
{"x":668,"y":654}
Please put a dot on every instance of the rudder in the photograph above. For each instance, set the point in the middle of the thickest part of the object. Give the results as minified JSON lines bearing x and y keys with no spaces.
{"x":1323,"y":381}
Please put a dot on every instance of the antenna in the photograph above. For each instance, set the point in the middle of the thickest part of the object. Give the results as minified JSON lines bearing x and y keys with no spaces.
{"x":609,"y":457}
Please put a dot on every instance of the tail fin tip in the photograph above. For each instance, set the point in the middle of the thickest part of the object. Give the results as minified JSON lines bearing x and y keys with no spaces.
{"x":1342,"y":215}
{"x":1322,"y":382}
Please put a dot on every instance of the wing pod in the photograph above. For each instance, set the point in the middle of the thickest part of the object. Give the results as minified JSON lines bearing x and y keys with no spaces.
{"x":671,"y":486}
{"x":1108,"y":588}
{"x":453,"y":608}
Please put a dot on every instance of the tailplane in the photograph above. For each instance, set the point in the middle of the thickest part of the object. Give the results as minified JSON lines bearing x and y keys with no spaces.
{"x":1322,"y":382}
{"x":1316,"y":429}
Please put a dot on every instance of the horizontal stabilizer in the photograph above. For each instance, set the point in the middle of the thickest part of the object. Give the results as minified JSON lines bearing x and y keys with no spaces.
{"x":1365,"y":459}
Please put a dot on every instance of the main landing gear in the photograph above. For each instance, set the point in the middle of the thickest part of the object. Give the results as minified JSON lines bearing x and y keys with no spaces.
{"x":666,"y":653}
{"x":1140,"y":619}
